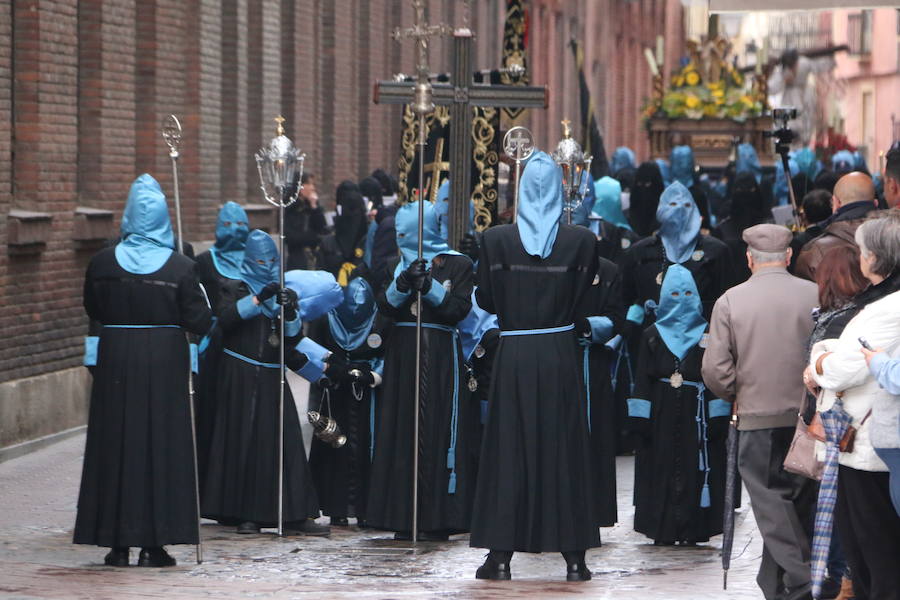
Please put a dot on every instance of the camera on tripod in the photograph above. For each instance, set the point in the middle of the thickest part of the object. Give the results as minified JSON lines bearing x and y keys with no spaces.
{"x":783,"y":136}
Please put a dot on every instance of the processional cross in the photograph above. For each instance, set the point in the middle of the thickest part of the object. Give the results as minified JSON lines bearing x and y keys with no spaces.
{"x":461,"y":95}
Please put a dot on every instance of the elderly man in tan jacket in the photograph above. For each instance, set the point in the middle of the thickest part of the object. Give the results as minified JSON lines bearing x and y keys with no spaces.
{"x":755,"y":358}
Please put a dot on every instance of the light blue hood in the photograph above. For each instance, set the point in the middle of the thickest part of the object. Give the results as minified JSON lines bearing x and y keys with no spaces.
{"x":608,"y":205}
{"x":232,"y":229}
{"x":679,"y":222}
{"x":147,"y":238}
{"x":747,"y":160}
{"x":807,"y":163}
{"x":540,"y":204}
{"x":351,"y":321}
{"x":406,"y":223}
{"x":319,"y":292}
{"x":682,"y":159}
{"x":581,"y":214}
{"x":474,"y":326}
{"x":622,"y":158}
{"x":260,"y":266}
{"x":679,"y":316}
{"x":665,"y":170}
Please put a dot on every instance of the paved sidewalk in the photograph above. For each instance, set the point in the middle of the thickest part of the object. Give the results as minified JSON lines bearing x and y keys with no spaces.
{"x":38,"y":493}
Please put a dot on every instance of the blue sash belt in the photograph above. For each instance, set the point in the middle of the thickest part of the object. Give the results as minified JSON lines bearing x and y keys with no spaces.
{"x":247,"y":359}
{"x":142,"y":326}
{"x":454,"y":419}
{"x":545,"y":331}
{"x":702,"y":426}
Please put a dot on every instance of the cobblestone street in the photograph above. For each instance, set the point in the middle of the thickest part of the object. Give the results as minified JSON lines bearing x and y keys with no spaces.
{"x":38,"y":494}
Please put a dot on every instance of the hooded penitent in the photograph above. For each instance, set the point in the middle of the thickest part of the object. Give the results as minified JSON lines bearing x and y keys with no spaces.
{"x":147,"y":239}
{"x":748,"y":207}
{"x":807,"y":162}
{"x":406,"y":224}
{"x":581,"y":214}
{"x":350,"y":223}
{"x":842,"y":162}
{"x":748,"y":161}
{"x":232,"y":230}
{"x":665,"y":171}
{"x":679,"y":222}
{"x":679,"y":316}
{"x":682,"y":160}
{"x":648,"y":187}
{"x":540,"y":205}
{"x":351,"y":321}
{"x":782,"y":196}
{"x":608,"y":205}
{"x":261,"y":267}
{"x":622,"y":158}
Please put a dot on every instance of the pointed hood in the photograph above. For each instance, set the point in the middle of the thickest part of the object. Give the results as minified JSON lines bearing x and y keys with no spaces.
{"x":682,"y":160}
{"x":679,"y":222}
{"x":608,"y":205}
{"x":748,"y":206}
{"x":406,"y":223}
{"x":350,"y":224}
{"x":679,"y":316}
{"x":351,"y":321}
{"x":232,"y":229}
{"x":648,"y":187}
{"x":147,"y":238}
{"x":260,"y":266}
{"x":747,"y":160}
{"x":540,"y":204}
{"x":623,"y":157}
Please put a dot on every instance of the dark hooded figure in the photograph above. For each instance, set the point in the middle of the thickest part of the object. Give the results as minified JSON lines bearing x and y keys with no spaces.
{"x":219,"y":264}
{"x":535,"y":475}
{"x":343,"y":251}
{"x":448,"y":418}
{"x":683,"y":171}
{"x":357,"y":335}
{"x":241,"y":483}
{"x":679,"y":483}
{"x":678,"y":241}
{"x":648,"y":186}
{"x":137,"y":486}
{"x":748,"y":208}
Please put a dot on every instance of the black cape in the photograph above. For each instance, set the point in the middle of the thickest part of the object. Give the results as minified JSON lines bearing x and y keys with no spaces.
{"x":668,"y":481}
{"x":607,"y":415}
{"x":341,"y":475}
{"x":390,"y":488}
{"x":535,"y":474}
{"x":241,"y":482}
{"x":137,"y":485}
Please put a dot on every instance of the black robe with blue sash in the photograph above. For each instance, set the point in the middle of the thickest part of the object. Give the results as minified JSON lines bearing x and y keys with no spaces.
{"x":535,"y":476}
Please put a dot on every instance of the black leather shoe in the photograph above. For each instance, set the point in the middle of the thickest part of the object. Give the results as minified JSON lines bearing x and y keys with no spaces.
{"x":117,"y":557}
{"x":831,"y":587}
{"x":577,"y":572}
{"x":248,"y":527}
{"x":155,"y":557}
{"x":493,"y":570}
{"x":306,"y":527}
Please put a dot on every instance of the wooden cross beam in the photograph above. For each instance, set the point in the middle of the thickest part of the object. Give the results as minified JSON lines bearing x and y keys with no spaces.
{"x":461,"y":95}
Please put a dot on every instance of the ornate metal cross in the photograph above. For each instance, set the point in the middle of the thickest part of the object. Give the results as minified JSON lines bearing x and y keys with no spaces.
{"x":420,"y":32}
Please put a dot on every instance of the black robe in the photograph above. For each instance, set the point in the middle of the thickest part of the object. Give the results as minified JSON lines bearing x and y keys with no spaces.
{"x":205,"y":381}
{"x":137,"y":485}
{"x":341,"y":475}
{"x":607,"y":417}
{"x":390,"y":490}
{"x":535,"y":474}
{"x":241,"y":482}
{"x":642,"y":265}
{"x":613,"y":241}
{"x":668,"y":481}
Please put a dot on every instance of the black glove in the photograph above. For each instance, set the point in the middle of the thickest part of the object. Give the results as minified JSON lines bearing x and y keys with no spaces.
{"x":338,"y":372}
{"x":267,"y":292}
{"x":295,"y":360}
{"x":289,"y":299}
{"x":363,"y":374}
{"x":469,"y":246}
{"x":419,"y":276}
{"x":404,"y":283}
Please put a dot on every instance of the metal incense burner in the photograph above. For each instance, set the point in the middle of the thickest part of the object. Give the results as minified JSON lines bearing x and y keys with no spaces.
{"x":326,"y":429}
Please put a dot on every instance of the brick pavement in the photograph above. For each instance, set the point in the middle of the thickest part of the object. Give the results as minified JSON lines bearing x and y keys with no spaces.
{"x":38,"y":494}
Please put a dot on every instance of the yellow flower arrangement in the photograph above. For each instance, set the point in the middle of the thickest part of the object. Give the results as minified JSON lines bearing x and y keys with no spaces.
{"x":692,"y":78}
{"x":692,"y":101}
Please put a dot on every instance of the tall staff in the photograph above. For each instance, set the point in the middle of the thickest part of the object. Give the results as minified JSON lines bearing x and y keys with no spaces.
{"x":422,"y":106}
{"x":171,"y":132}
{"x":280,"y":164}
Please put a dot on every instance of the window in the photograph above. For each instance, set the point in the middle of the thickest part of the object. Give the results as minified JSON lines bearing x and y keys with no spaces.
{"x":859,"y":33}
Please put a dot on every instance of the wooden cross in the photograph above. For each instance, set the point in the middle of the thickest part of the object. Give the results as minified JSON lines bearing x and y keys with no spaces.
{"x":461,"y":95}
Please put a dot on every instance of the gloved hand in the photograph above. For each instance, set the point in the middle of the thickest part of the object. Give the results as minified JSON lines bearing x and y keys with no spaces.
{"x":295,"y":360}
{"x":338,"y":372}
{"x":289,"y":299}
{"x":419,"y":276}
{"x":267,"y":292}
{"x":404,"y":282}
{"x":469,"y":246}
{"x":363,"y":375}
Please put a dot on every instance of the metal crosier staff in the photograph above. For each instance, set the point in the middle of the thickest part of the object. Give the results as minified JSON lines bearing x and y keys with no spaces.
{"x":422,"y":106}
{"x":279,"y":164}
{"x":171,"y":132}
{"x":575,"y":168}
{"x":518,"y":143}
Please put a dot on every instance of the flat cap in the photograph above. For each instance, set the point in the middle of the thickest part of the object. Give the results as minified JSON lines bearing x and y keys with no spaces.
{"x":768,"y":238}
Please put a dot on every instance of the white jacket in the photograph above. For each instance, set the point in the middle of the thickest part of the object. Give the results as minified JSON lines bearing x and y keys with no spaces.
{"x":845,"y":370}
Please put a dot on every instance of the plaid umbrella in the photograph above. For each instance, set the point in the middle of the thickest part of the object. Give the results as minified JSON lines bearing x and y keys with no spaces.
{"x":835,"y":421}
